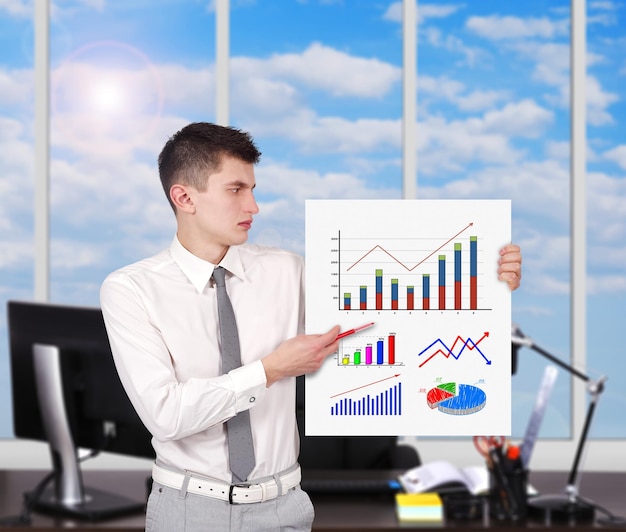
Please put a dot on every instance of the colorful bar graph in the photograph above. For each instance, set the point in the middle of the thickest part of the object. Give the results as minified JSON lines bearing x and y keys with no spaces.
{"x":382,"y":353}
{"x":442,"y":282}
{"x":473,"y":272}
{"x":386,"y":403}
{"x":379,"y":289}
{"x":457,"y":276}
{"x":394,"y":293}
{"x":410,"y":297}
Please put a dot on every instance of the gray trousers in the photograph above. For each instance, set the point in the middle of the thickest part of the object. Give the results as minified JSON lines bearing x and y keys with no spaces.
{"x":172,"y":510}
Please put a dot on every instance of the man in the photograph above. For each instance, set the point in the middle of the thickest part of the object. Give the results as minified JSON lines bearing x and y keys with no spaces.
{"x":162,"y":319}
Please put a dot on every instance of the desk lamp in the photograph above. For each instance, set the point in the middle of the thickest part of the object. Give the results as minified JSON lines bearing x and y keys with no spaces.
{"x":567,"y":505}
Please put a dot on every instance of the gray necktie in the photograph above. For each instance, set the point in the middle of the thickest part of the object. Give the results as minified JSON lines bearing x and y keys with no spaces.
{"x":240,"y":446}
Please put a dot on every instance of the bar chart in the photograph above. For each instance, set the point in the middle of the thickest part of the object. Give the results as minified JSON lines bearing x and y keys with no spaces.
{"x":385,"y":403}
{"x":441,"y":279}
{"x":368,"y":351}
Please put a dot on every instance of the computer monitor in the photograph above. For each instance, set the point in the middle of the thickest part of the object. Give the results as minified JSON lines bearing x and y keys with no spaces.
{"x":66,"y":392}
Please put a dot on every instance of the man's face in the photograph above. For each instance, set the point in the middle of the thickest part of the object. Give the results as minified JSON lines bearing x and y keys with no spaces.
{"x":225,"y":209}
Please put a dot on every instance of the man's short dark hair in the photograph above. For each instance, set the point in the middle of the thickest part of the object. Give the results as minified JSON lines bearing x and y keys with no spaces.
{"x":197,"y":150}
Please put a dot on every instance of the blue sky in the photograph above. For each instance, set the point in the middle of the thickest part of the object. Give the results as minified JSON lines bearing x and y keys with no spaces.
{"x":319,"y":85}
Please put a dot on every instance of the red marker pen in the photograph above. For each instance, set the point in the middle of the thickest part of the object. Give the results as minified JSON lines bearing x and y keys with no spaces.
{"x":353,"y":331}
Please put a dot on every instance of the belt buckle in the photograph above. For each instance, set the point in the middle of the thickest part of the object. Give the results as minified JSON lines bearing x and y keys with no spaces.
{"x":230,"y":492}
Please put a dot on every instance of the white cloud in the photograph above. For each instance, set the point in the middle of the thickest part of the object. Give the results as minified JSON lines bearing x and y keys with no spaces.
{"x":617,"y":155}
{"x":315,"y":134}
{"x":324,"y":68}
{"x":393,"y":12}
{"x":604,"y":4}
{"x":558,"y":150}
{"x":70,"y":254}
{"x":606,"y":200}
{"x":480,"y":100}
{"x":435,"y":37}
{"x":445,"y":147}
{"x":497,"y":27}
{"x":518,"y":119}
{"x":552,"y":61}
{"x":603,"y":12}
{"x":16,"y":87}
{"x":16,"y":183}
{"x":184,"y":87}
{"x":93,"y":197}
{"x":453,"y":91}
{"x":606,"y":284}
{"x":598,"y":101}
{"x":540,"y":189}
{"x":254,"y":94}
{"x":424,"y":11}
{"x":16,"y":206}
{"x":17,"y":8}
{"x":15,"y":254}
{"x":300,"y":184}
{"x":449,"y":146}
{"x":442,"y":87}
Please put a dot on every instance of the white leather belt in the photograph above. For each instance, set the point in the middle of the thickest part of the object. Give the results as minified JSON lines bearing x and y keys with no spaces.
{"x":232,"y":493}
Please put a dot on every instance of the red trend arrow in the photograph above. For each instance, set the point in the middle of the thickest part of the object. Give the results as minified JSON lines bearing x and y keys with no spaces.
{"x":365,"y":385}
{"x":377,"y":246}
{"x":450,"y":351}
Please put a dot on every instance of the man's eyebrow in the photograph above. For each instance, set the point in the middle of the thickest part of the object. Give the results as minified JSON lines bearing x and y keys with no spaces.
{"x":241,"y":184}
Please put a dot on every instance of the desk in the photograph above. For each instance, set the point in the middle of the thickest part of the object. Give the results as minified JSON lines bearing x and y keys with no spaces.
{"x":332,"y":513}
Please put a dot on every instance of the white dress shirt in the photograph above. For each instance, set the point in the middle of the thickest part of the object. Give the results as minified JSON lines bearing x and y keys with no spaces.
{"x":162,"y":322}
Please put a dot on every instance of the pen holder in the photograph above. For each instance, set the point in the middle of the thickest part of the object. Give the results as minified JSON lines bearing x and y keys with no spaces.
{"x":508,"y":494}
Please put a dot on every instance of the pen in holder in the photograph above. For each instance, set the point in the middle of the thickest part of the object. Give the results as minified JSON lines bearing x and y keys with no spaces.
{"x":507,"y":484}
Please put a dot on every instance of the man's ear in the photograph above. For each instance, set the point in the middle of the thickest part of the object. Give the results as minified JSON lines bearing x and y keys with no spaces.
{"x":181,"y":198}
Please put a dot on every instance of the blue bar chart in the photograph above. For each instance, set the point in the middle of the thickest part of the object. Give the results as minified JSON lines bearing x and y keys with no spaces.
{"x":385,"y":403}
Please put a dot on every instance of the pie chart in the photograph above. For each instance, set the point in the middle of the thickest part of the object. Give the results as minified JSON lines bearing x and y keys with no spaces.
{"x":456,"y":399}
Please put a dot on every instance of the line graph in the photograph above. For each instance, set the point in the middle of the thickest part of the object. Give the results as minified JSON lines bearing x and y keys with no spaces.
{"x":410,"y":269}
{"x":433,"y":349}
{"x":365,"y":385}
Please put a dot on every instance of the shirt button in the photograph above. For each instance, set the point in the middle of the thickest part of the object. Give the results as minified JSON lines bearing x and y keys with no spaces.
{"x":252,"y":399}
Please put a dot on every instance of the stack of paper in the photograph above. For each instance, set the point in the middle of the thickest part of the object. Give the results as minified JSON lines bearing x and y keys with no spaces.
{"x":419,"y":507}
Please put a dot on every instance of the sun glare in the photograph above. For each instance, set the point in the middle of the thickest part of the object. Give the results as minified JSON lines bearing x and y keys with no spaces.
{"x":107,"y":97}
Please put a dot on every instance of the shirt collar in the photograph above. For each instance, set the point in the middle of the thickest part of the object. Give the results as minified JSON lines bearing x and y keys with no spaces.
{"x":199,"y":271}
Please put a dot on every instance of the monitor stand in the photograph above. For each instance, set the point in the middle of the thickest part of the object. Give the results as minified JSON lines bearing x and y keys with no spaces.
{"x":68,"y":496}
{"x":96,"y":505}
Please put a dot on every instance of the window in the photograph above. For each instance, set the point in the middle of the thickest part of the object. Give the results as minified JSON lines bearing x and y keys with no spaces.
{"x":319,"y":85}
{"x":16,"y":178}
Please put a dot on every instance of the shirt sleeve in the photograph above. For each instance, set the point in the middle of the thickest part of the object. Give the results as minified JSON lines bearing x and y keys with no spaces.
{"x":169,"y":409}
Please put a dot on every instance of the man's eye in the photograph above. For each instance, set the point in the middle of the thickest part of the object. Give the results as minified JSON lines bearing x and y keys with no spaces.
{"x":236,"y":189}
